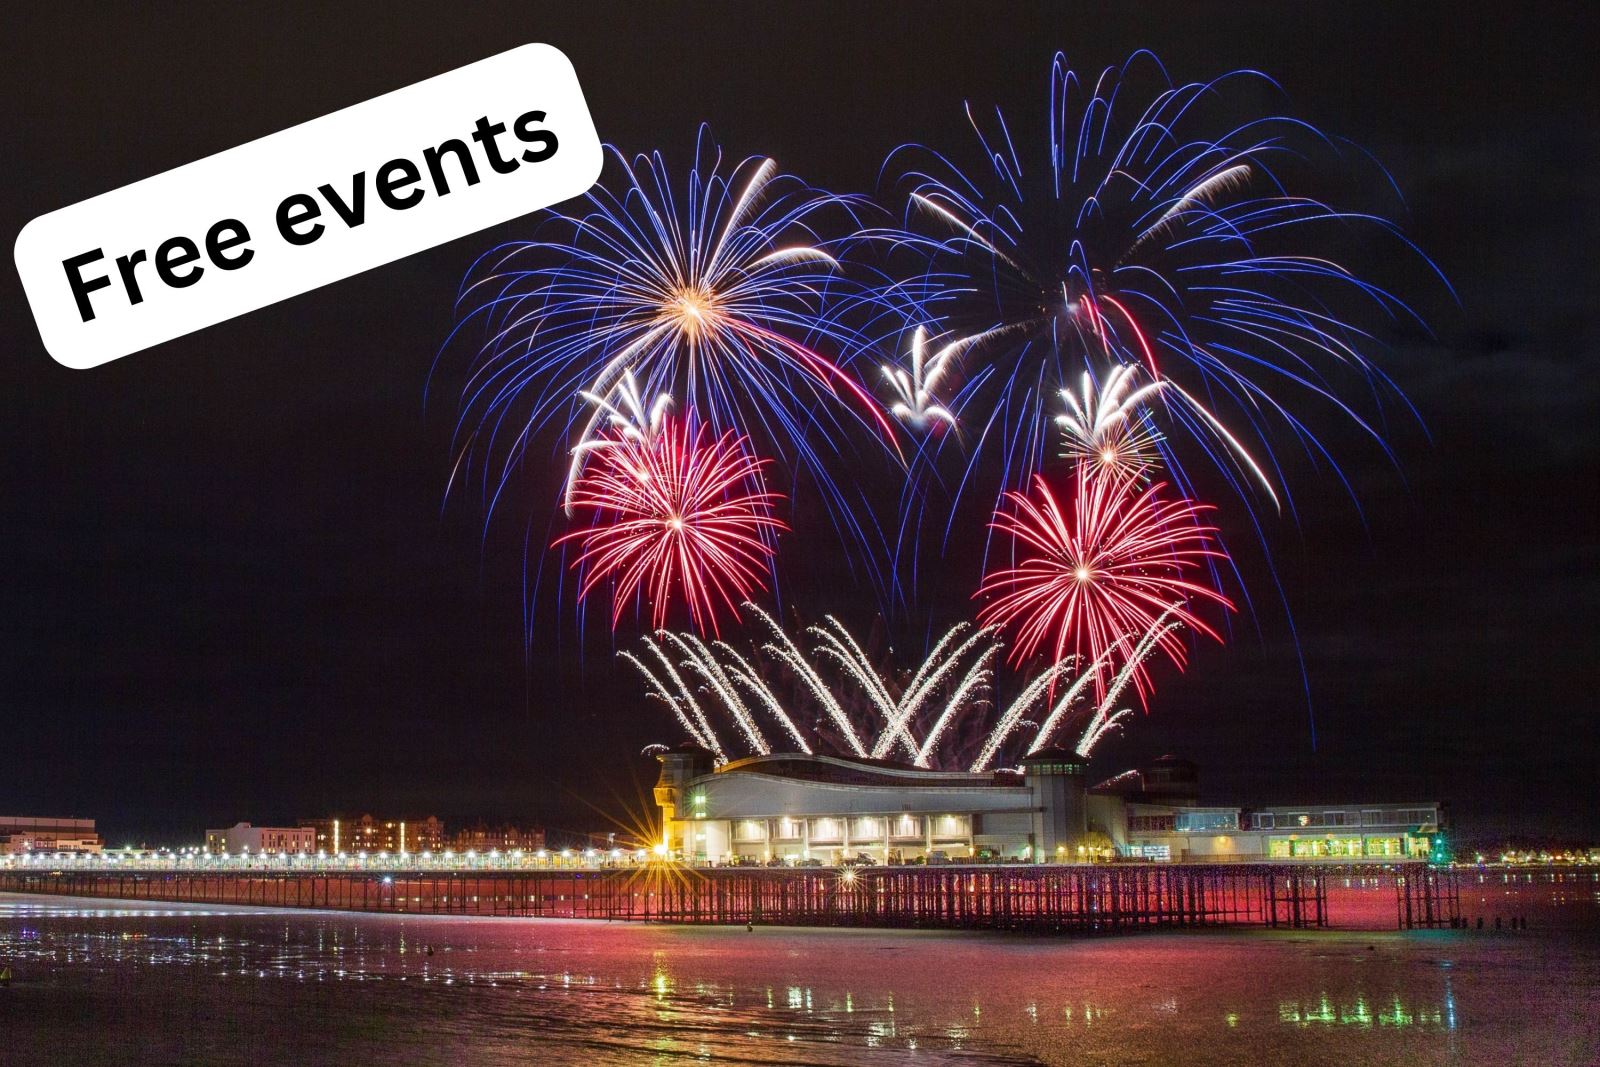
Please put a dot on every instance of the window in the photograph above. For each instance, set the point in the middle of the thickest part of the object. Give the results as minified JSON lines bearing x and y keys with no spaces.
{"x":825,"y":830}
{"x":1263,"y":820}
{"x":1383,"y":846}
{"x":908,"y":826}
{"x":749,"y":830}
{"x":867,"y":828}
{"x":1201,"y":821}
{"x":1373,"y":817}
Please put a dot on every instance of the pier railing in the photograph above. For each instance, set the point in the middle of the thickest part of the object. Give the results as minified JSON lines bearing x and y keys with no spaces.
{"x":1065,"y":898}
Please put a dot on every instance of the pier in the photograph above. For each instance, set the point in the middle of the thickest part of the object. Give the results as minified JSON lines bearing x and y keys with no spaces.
{"x":1042,"y":898}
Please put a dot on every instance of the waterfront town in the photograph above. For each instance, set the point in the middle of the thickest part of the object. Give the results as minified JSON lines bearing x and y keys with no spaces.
{"x":805,"y":810}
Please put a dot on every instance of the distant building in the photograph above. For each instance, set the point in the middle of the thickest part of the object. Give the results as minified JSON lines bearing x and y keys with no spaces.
{"x":261,"y":840}
{"x":508,"y":838}
{"x":1154,"y":813}
{"x":794,"y":807}
{"x":21,"y":834}
{"x":370,"y":835}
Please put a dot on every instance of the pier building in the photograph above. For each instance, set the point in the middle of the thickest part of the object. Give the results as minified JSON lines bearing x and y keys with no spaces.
{"x":795,"y":808}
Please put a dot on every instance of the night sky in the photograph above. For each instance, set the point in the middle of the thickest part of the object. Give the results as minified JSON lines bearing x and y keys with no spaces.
{"x":231,"y":588}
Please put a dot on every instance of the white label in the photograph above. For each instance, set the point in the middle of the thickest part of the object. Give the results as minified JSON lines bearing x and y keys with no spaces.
{"x":309,"y":205}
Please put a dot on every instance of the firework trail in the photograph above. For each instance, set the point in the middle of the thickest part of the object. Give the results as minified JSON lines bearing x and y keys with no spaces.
{"x":946,"y":658}
{"x":678,"y":516}
{"x":784,"y":650}
{"x":1092,"y":577}
{"x":718,"y":671}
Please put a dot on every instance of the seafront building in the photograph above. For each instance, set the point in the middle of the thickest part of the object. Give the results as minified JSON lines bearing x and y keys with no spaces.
{"x":797,"y":808}
{"x":370,"y":835}
{"x":22,"y":834}
{"x":242,"y":838}
{"x":502,"y":838}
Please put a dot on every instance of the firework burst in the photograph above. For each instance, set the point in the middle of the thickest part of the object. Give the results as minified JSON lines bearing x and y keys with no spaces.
{"x":679,"y":516}
{"x":1095,"y":576}
{"x":1106,"y":427}
{"x":718,"y":293}
{"x":916,"y":388}
{"x":1155,"y":226}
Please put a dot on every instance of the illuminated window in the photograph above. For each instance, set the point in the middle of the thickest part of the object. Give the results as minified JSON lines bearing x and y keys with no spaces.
{"x":1383,"y":846}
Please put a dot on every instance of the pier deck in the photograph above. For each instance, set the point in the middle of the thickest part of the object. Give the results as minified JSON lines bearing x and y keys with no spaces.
{"x":1047,"y":898}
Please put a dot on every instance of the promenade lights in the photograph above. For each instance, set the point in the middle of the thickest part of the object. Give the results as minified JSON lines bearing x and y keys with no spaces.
{"x":660,"y":849}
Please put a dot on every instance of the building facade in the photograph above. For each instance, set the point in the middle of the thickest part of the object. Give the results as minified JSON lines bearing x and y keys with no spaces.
{"x":22,"y":834}
{"x":242,"y":838}
{"x":374,"y":836}
{"x":794,"y":808}
{"x":1155,"y":813}
{"x":506,"y":838}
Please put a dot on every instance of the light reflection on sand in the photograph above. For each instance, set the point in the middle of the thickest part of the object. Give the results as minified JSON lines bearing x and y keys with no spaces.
{"x":162,"y":983}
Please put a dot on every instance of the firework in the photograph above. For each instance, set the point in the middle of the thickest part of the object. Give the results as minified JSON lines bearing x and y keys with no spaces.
{"x":1093,"y":577}
{"x":719,"y":294}
{"x":622,"y":420}
{"x":678,"y":517}
{"x":950,"y":689}
{"x":1153,"y":228}
{"x":1106,"y":427}
{"x":898,"y":713}
{"x":916,"y":400}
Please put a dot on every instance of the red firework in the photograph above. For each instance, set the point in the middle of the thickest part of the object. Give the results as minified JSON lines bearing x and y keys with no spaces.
{"x":1094,"y":580}
{"x":678,"y":515}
